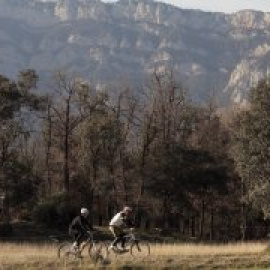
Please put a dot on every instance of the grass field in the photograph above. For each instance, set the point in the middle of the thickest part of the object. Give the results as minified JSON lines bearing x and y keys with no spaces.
{"x":178,"y":256}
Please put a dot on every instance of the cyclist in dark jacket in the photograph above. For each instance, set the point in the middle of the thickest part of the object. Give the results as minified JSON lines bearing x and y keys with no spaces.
{"x":79,"y":228}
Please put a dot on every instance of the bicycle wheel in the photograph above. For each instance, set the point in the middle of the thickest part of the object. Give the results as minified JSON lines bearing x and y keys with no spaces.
{"x":140,"y":249}
{"x":65,"y":250}
{"x":98,"y":252}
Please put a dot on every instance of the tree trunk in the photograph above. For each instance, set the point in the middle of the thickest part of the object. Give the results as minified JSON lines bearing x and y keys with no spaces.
{"x":212,"y":230}
{"x":202,"y":219}
{"x":100,"y":214}
{"x":243,"y":223}
{"x":111,"y":176}
{"x":243,"y":215}
{"x":183,"y":226}
{"x":165,"y":213}
{"x":124,"y":178}
{"x":48,"y":151}
{"x":6,"y":213}
{"x":66,"y":148}
{"x":193,"y":226}
{"x":5,"y":185}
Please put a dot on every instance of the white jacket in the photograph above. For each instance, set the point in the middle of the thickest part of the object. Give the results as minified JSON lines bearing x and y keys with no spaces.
{"x":117,"y":220}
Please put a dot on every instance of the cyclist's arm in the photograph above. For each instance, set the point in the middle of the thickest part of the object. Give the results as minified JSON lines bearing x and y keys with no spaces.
{"x":89,"y":226}
{"x":128,"y":222}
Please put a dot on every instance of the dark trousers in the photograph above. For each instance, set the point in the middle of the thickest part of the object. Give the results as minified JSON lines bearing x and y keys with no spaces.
{"x":76,"y":236}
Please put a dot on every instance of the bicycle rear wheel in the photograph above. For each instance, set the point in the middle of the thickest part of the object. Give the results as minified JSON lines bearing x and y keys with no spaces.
{"x":140,"y":249}
{"x":66,"y":250}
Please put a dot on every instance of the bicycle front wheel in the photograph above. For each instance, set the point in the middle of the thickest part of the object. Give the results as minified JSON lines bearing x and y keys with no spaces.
{"x":98,"y":252}
{"x":66,"y":250}
{"x":140,"y":249}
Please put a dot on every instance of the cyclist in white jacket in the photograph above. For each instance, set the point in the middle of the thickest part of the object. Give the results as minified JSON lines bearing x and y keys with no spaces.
{"x":120,"y":221}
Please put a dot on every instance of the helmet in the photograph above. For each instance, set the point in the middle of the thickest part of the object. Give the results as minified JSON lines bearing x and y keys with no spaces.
{"x":127,"y":209}
{"x":84,"y":212}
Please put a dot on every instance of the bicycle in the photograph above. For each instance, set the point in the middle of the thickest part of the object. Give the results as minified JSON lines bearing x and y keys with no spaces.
{"x":133,"y":245}
{"x":96,"y":251}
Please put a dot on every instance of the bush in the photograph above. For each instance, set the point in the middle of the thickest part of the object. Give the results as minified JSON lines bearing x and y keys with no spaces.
{"x":45,"y":213}
{"x":5,"y":229}
{"x":56,"y":212}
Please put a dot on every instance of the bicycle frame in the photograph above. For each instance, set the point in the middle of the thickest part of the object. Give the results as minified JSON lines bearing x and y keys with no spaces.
{"x":89,"y":241}
{"x":130,"y":238}
{"x":133,"y":244}
{"x":95,"y":249}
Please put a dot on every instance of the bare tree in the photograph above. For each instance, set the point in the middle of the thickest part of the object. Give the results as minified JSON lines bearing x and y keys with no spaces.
{"x":66,"y":114}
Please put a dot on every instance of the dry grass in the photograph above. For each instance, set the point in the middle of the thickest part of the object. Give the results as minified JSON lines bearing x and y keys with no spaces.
{"x":12,"y":256}
{"x":178,"y":256}
{"x":201,"y":249}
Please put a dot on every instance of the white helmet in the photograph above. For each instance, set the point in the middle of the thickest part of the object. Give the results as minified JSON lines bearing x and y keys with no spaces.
{"x":127,"y":209}
{"x":84,"y":211}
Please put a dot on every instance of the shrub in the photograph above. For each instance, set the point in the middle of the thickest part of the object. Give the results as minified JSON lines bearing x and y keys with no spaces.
{"x":45,"y":213}
{"x":5,"y":229}
{"x":56,"y":212}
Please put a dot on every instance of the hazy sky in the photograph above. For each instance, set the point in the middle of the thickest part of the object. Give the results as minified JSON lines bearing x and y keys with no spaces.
{"x":227,"y":6}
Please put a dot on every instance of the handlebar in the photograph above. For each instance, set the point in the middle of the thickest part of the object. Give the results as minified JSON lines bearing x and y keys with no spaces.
{"x":131,"y":230}
{"x":54,"y":238}
{"x":91,"y":233}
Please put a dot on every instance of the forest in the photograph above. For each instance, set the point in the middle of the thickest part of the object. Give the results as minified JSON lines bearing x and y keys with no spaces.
{"x":199,"y":170}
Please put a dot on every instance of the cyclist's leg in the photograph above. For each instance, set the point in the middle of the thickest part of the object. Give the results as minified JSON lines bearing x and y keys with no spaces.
{"x":120,"y":238}
{"x":117,"y":235}
{"x":123,"y":240}
{"x":79,"y":239}
{"x":75,"y":236}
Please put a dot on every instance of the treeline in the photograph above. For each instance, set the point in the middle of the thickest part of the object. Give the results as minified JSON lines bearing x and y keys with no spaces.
{"x":183,"y":167}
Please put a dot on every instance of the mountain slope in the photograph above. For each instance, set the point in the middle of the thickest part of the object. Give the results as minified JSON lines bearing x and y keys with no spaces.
{"x":127,"y":40}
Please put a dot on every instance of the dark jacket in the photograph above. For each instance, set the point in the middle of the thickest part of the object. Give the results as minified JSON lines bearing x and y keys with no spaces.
{"x":80,"y":224}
